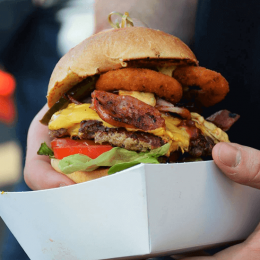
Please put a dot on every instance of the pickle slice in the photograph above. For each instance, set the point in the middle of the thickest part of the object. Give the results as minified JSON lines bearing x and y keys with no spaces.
{"x":78,"y":92}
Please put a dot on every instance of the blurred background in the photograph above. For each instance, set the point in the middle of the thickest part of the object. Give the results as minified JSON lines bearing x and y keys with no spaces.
{"x":76,"y":22}
{"x":34,"y":34}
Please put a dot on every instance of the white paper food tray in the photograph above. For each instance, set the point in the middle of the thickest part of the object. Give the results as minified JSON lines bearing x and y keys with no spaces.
{"x":144,"y":211}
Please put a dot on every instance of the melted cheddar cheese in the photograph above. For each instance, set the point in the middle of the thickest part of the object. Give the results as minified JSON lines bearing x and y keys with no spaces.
{"x":167,"y":70}
{"x":209,"y":129}
{"x":145,"y":97}
{"x":177,"y":135}
{"x":70,"y":118}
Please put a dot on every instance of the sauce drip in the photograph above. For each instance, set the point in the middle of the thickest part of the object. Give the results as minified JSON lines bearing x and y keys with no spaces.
{"x":191,"y":128}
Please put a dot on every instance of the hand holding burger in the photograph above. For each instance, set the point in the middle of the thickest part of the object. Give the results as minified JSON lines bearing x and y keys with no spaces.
{"x":38,"y":172}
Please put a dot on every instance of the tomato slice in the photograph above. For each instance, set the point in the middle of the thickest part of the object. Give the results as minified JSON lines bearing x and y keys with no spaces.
{"x":63,"y":147}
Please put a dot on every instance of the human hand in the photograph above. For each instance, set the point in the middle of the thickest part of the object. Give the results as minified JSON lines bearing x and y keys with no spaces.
{"x":241,"y":164}
{"x":38,"y":172}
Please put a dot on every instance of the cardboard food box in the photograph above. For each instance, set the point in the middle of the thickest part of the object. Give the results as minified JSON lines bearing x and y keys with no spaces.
{"x":147,"y":210}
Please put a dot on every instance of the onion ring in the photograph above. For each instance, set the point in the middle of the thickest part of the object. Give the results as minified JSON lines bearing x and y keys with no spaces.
{"x":142,"y":80}
{"x":213,"y":86}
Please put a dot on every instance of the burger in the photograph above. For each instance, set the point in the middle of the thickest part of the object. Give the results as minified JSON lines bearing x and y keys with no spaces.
{"x":127,"y":96}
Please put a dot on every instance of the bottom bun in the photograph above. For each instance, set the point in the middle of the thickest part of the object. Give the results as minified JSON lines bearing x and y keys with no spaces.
{"x":81,"y":176}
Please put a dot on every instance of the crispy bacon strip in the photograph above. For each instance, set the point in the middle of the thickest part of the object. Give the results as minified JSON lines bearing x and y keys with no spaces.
{"x":223,"y":119}
{"x":126,"y":111}
{"x":73,"y":100}
{"x":165,"y":106}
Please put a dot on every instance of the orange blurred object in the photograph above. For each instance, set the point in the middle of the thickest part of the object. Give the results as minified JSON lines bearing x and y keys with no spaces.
{"x":7,"y":84}
{"x":7,"y":110}
{"x":7,"y":107}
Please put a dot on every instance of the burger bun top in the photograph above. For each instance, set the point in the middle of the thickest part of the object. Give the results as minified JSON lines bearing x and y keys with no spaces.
{"x":115,"y":49}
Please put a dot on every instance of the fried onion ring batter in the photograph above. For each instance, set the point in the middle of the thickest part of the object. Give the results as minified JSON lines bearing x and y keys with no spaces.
{"x":213,"y":86}
{"x":143,"y":80}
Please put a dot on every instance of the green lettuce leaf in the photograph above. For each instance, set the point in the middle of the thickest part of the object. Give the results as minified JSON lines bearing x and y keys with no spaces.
{"x":45,"y":150}
{"x":117,"y":158}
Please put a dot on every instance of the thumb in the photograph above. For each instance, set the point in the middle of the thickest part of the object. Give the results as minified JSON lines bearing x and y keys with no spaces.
{"x":240,"y":163}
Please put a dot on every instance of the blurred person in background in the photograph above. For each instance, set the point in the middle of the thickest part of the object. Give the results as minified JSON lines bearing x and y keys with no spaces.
{"x":34,"y":35}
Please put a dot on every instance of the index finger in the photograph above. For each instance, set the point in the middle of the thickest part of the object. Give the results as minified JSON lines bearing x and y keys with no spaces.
{"x":38,"y":172}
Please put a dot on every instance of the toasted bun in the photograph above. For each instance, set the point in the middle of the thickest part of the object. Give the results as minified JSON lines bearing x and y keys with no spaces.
{"x":114,"y":49}
{"x":81,"y":176}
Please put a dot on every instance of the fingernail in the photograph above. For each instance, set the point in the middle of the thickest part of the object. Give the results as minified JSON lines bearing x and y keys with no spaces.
{"x":63,"y":185}
{"x":229,"y":155}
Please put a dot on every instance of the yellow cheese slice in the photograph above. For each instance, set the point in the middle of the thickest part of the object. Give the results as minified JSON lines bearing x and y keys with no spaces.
{"x":72,"y":115}
{"x":147,"y":98}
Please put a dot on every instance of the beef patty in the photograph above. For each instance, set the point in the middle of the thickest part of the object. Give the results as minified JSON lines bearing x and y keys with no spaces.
{"x":133,"y":141}
{"x":201,"y":146}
